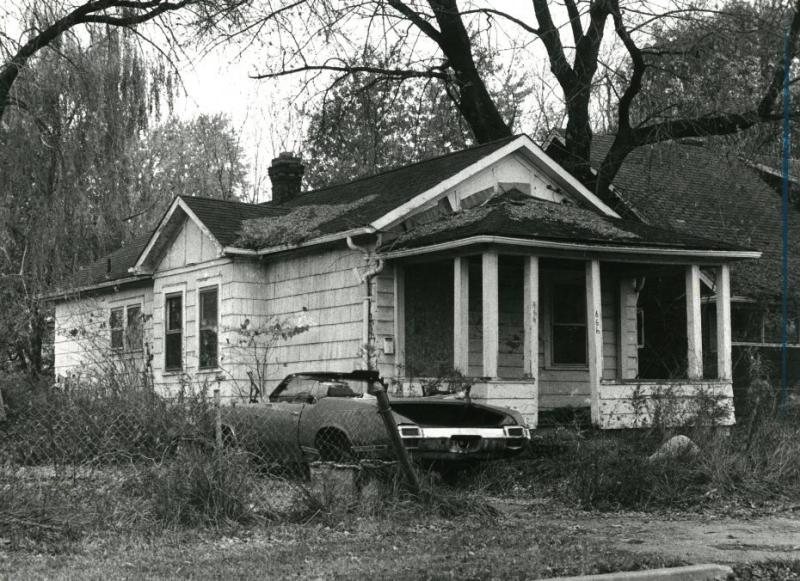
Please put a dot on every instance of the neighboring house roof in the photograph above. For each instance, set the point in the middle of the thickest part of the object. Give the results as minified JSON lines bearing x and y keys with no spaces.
{"x":517,"y":215}
{"x":699,"y":191}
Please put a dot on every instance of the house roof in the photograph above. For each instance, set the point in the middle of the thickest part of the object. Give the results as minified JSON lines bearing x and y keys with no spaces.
{"x":693,"y":189}
{"x":224,"y":218}
{"x":113,"y":267}
{"x":371,"y":197}
{"x":517,"y":215}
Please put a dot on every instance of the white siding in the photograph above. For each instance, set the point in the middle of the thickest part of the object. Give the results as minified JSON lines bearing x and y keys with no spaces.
{"x":83,"y":338}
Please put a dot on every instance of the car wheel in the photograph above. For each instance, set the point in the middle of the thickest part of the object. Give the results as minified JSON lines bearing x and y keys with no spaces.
{"x":334,"y":446}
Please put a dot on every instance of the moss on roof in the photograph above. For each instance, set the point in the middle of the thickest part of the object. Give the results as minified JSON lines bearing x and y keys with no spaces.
{"x":296,"y":226}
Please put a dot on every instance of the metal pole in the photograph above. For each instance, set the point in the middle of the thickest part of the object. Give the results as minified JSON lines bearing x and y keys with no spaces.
{"x":218,"y":419}
{"x":785,"y":225}
{"x":385,"y":410}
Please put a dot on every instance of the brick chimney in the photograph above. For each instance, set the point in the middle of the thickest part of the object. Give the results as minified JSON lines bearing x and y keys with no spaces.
{"x":286,"y":174}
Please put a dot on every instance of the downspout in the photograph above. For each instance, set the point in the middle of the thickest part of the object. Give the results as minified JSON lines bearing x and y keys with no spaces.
{"x":374,"y":267}
{"x":378,"y":388}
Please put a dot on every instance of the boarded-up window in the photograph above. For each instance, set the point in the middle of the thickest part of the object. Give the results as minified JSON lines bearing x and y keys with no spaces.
{"x":569,"y":324}
{"x":133,"y":328}
{"x":208,"y":328}
{"x":173,"y":335}
{"x":115,"y":323}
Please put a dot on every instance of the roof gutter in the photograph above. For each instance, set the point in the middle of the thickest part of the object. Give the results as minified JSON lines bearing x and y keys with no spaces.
{"x":574,"y":247}
{"x":233,"y":250}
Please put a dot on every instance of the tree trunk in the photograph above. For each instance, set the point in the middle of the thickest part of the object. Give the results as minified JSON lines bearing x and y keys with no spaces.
{"x":474,"y":101}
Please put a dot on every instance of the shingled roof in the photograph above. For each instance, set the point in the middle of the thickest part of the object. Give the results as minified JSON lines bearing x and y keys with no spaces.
{"x":517,"y":215}
{"x":699,"y":191}
{"x":113,"y":267}
{"x":224,"y":218}
{"x":385,"y":191}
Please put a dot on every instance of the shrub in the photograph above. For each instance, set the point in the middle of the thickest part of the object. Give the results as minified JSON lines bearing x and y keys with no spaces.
{"x":199,"y":488}
{"x":48,"y":425}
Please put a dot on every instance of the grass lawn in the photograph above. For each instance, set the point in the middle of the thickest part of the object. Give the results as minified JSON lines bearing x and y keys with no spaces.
{"x":431,"y":548}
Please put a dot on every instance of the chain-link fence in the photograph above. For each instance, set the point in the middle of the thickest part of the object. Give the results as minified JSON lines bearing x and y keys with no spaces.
{"x":79,"y":451}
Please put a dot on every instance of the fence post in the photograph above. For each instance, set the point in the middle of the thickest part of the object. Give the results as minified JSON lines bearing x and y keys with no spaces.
{"x":385,"y":410}
{"x":218,"y":419}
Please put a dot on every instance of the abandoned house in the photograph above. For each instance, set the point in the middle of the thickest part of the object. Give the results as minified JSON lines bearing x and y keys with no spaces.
{"x":492,"y":262}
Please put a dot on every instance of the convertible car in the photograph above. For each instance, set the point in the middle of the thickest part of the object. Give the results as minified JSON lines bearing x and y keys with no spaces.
{"x":334,"y":416}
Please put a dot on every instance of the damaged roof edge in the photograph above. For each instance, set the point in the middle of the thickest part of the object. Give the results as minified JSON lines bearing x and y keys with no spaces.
{"x":594,"y":248}
{"x":327,"y":238}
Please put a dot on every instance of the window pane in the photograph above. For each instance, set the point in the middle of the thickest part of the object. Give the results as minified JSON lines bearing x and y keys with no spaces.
{"x":115,"y":323}
{"x":569,"y":344}
{"x":174,"y":313}
{"x":173,"y":357}
{"x":208,"y":308}
{"x":569,"y":304}
{"x":133,"y":331}
{"x":208,"y":328}
{"x":208,"y":348}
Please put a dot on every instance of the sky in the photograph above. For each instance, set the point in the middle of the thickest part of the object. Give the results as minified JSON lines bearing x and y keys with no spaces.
{"x":261,"y":110}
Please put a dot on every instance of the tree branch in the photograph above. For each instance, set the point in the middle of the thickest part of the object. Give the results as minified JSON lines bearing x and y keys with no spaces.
{"x":89,"y":12}
{"x":352,"y":69}
{"x":574,"y":20}
{"x":492,"y":12}
{"x":639,"y":67}
{"x":417,"y":20}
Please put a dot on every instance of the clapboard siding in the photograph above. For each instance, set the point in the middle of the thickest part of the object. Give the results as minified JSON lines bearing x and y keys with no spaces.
{"x":189,"y":246}
{"x":82,"y":337}
{"x":633,"y":405}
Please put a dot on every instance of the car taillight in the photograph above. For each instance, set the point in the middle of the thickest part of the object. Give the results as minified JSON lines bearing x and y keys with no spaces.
{"x":410,"y":432}
{"x":516,"y":432}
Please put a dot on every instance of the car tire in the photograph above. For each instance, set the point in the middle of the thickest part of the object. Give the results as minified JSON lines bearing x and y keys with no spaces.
{"x":334,"y":446}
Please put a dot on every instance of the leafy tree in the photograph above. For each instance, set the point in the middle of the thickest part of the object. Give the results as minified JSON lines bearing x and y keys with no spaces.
{"x":46,"y":21}
{"x":197,"y":157}
{"x":368,"y":123}
{"x":719,"y":63}
{"x":66,"y":171}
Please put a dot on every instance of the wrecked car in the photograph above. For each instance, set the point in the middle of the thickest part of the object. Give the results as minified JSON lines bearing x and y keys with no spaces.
{"x":334,"y":416}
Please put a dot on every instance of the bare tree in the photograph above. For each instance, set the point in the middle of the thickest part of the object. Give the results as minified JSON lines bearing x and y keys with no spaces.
{"x":438,"y":39}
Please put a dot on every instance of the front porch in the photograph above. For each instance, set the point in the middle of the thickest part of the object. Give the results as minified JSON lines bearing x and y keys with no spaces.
{"x":553,"y":330}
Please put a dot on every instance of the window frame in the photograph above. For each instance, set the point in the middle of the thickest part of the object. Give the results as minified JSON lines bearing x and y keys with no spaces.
{"x":556,"y":279}
{"x":182,"y":331}
{"x":200,"y":328}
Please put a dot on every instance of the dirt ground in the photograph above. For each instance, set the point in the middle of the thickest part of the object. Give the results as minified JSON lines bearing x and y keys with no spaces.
{"x":696,"y":538}
{"x":529,"y":540}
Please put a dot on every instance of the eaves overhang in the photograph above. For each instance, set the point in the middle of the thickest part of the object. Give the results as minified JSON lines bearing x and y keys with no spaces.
{"x":615,"y":251}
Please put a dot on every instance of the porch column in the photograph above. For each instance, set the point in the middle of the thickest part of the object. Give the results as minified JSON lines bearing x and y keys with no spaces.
{"x":694,"y":332}
{"x":461,"y":314}
{"x":491,"y":317}
{"x":724,"y":364}
{"x":594,"y":334}
{"x":531,"y":318}
{"x":399,"y":321}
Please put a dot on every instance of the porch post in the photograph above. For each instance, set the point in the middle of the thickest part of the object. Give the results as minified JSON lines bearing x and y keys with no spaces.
{"x":724,"y":364}
{"x":461,"y":314}
{"x":399,"y":321}
{"x":491,"y":317}
{"x":531,"y":318}
{"x":594,"y":334}
{"x":694,"y":332}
